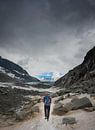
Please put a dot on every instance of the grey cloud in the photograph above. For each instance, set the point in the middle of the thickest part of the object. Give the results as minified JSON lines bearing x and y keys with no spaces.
{"x":72,"y":12}
{"x":32,"y":20}
{"x":46,"y":34}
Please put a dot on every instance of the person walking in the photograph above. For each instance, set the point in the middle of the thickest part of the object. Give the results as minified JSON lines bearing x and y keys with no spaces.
{"x":47,"y":104}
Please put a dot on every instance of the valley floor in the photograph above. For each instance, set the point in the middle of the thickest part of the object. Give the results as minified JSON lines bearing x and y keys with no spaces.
{"x":85,"y":121}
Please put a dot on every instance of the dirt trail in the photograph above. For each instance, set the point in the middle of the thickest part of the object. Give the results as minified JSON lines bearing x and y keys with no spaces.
{"x":85,"y":121}
{"x":38,"y":123}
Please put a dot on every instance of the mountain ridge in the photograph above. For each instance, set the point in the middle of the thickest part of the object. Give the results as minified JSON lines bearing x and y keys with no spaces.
{"x":82,"y":77}
{"x":11,"y":71}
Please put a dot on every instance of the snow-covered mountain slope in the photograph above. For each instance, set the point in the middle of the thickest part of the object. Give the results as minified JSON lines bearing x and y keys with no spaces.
{"x":10,"y":71}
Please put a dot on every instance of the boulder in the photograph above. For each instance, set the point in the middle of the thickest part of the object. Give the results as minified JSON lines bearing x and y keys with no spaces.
{"x":20,"y":115}
{"x":69,"y":120}
{"x":58,"y":105}
{"x":59,"y":109}
{"x":35,"y":109}
{"x":81,"y":103}
{"x":68,"y":106}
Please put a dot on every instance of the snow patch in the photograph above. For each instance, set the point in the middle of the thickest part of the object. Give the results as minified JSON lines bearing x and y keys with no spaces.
{"x":19,"y":72}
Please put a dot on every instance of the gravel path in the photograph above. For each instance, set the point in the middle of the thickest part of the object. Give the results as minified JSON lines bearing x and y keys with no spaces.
{"x":85,"y":121}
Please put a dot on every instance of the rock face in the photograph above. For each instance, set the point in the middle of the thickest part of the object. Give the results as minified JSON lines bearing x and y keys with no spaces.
{"x":82,"y":78}
{"x":10,"y":72}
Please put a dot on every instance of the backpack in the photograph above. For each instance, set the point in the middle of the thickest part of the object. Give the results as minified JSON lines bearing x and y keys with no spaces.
{"x":47,"y":100}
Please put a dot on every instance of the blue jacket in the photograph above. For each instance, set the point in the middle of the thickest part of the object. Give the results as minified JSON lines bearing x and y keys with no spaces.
{"x":47,"y":100}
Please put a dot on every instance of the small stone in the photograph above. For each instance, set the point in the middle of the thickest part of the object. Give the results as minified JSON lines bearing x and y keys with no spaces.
{"x":89,"y":109}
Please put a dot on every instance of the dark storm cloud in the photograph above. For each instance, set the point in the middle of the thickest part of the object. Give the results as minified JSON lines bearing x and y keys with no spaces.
{"x":43,"y":32}
{"x":25,"y":22}
{"x":72,"y":12}
{"x":31,"y":19}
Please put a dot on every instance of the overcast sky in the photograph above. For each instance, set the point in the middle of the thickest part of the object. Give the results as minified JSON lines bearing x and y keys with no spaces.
{"x":46,"y":35}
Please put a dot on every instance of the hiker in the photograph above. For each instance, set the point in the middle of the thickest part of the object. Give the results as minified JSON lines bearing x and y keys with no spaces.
{"x":47,"y":104}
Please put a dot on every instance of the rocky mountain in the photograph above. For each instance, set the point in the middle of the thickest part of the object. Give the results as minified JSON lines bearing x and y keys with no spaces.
{"x":10,"y":72}
{"x":81,"y":78}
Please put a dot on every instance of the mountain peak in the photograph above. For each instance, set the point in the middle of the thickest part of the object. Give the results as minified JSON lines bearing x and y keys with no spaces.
{"x":90,"y":54}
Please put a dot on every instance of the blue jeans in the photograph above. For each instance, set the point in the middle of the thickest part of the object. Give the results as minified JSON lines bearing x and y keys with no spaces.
{"x":47,"y":111}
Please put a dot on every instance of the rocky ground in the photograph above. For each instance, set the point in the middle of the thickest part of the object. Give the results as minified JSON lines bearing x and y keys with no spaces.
{"x":78,"y":119}
{"x":17,"y":104}
{"x":74,"y":112}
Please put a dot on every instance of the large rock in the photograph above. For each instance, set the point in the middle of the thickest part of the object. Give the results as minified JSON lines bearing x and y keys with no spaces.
{"x":20,"y":115}
{"x":68,"y":106}
{"x":60,"y":110}
{"x":81,"y":103}
{"x":35,"y":109}
{"x":69,"y":120}
{"x":26,"y":111}
{"x":58,"y":105}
